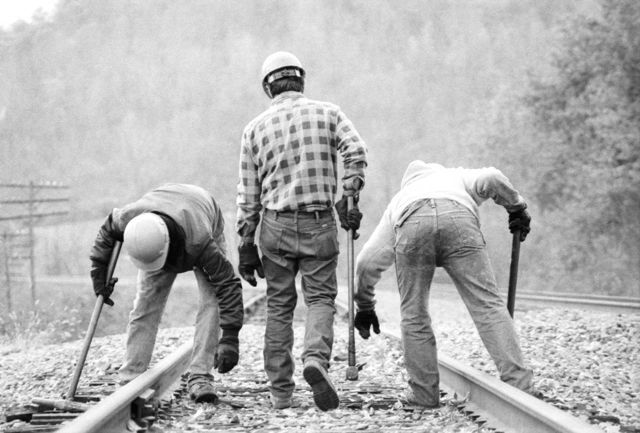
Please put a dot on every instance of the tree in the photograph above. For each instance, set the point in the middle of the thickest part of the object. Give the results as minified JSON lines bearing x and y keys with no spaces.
{"x":578,"y":141}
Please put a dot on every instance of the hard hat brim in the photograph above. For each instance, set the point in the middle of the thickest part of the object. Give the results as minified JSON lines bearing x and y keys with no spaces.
{"x":155,"y":265}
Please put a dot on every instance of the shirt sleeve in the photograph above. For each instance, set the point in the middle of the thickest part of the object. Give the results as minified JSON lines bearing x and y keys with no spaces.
{"x":377,"y":255}
{"x":354,"y":154}
{"x":220,"y":274}
{"x":248,"y":197}
{"x":100,"y":254}
{"x":490,"y":183}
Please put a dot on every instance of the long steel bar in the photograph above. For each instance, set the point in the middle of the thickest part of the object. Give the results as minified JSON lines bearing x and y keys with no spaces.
{"x":113,"y":260}
{"x":352,"y":370}
{"x":513,"y":272}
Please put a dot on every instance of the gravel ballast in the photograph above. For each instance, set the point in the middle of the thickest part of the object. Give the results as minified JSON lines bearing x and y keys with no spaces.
{"x":584,"y":362}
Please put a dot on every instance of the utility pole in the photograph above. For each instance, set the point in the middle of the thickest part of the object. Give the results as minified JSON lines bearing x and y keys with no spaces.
{"x":5,"y":244}
{"x":31,"y":202}
{"x":32,"y":256}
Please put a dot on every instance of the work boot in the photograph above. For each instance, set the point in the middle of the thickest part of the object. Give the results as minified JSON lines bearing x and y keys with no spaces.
{"x":324,"y":393}
{"x":123,"y":380}
{"x":200,"y":387}
{"x":534,"y":392}
{"x":281,"y":402}
{"x":410,"y":399}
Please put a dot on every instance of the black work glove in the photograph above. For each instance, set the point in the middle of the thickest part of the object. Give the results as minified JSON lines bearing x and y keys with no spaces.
{"x":249,"y":263}
{"x":364,"y":320}
{"x":228,"y":352}
{"x":349,"y":219}
{"x":105,"y":289}
{"x":520,"y":220}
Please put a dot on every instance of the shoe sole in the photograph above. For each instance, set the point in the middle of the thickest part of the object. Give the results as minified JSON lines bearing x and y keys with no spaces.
{"x":421,"y":406}
{"x":200,"y":394}
{"x":324,"y":394}
{"x":281,"y":405}
{"x":206,"y":398}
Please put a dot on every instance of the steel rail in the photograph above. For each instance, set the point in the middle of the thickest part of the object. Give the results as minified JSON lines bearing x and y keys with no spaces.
{"x":593,"y":302}
{"x":591,"y":296}
{"x":113,"y":414}
{"x":614,"y":304}
{"x":503,"y":406}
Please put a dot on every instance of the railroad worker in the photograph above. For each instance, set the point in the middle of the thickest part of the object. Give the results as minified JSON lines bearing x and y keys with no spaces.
{"x":433,"y":221}
{"x":173,"y":229}
{"x":288,"y":169}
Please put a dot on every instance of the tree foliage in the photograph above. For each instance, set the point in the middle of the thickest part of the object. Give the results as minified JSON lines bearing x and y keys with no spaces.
{"x":590,"y":113}
{"x":114,"y":97}
{"x":575,"y":133}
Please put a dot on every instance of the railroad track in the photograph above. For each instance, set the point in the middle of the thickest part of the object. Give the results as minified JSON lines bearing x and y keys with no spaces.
{"x":504,"y":407}
{"x":158,"y":395}
{"x":615,"y":304}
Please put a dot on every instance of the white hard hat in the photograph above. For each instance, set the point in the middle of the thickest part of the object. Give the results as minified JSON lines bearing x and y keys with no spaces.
{"x":146,"y":239}
{"x":279,"y":65}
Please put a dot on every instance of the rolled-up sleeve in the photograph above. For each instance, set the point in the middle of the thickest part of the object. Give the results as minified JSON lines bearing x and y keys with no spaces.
{"x":354,"y":154}
{"x":377,"y":255}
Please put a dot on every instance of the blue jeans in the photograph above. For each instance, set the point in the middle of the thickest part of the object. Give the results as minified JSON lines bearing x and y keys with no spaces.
{"x":152,"y":291}
{"x":292,"y":243}
{"x":439,"y":232}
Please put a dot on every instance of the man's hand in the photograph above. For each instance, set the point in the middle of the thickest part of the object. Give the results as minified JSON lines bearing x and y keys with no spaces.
{"x":100,"y":288}
{"x":249,"y":263}
{"x":520,"y":220}
{"x":364,"y":320}
{"x":349,"y":219}
{"x":228,"y":352}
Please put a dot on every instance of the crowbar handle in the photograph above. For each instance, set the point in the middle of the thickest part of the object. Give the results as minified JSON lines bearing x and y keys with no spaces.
{"x":513,"y":272}
{"x":97,"y":309}
{"x":352,"y":369}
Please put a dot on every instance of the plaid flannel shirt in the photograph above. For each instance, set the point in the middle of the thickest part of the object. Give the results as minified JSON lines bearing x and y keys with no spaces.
{"x":288,"y":159}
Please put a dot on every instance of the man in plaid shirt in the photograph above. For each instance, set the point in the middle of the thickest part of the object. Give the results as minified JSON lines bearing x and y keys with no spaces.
{"x":288,"y":169}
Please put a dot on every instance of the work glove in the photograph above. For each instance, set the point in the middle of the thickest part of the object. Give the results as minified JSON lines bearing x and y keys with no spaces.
{"x":249,"y":263}
{"x":364,"y":320}
{"x":349,"y":219}
{"x":105,"y":289}
{"x":228,"y":352}
{"x":520,"y":220}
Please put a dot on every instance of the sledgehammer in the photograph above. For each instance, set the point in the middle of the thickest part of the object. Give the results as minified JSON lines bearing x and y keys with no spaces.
{"x":352,"y":369}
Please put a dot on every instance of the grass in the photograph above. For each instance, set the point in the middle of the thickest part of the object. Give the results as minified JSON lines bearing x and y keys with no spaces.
{"x":63,"y":311}
{"x":37,"y":327}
